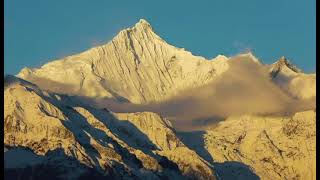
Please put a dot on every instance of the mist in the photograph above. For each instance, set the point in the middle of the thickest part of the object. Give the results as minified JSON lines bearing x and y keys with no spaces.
{"x":245,"y":88}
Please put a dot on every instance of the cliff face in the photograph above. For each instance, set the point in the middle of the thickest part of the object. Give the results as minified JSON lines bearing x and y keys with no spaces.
{"x":126,"y":145}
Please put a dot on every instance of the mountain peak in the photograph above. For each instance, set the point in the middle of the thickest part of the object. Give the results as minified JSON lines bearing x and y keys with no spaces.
{"x":282,"y":58}
{"x":142,"y":25}
{"x":143,"y":22}
{"x":285,"y":62}
{"x":285,"y":66}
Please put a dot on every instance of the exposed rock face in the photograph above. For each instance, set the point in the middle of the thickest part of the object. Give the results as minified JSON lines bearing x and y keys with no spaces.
{"x":126,"y":145}
{"x":136,"y":66}
{"x":275,"y":147}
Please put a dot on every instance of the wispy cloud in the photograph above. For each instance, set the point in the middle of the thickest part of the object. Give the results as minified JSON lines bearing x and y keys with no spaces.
{"x":245,"y":88}
{"x":241,"y":47}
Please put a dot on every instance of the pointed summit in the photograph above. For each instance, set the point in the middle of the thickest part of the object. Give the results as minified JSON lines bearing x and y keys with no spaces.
{"x":141,"y":30}
{"x":283,"y":59}
{"x":284,"y":62}
{"x":143,"y":25}
{"x":143,"y":22}
{"x":285,"y":66}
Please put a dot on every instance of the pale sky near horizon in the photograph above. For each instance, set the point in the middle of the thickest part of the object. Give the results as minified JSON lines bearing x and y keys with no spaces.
{"x":37,"y":31}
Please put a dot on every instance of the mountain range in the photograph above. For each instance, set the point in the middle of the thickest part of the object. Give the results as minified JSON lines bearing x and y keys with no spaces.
{"x":140,"y":108}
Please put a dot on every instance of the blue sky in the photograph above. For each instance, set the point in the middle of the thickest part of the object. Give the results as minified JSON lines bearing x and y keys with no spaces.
{"x":37,"y":31}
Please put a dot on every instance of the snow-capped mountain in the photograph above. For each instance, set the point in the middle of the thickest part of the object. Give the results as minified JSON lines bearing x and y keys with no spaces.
{"x":53,"y":125}
{"x":136,"y":66}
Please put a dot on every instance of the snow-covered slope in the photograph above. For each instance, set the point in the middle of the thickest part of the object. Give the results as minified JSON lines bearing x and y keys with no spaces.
{"x":275,"y":147}
{"x":136,"y":66}
{"x":127,"y":145}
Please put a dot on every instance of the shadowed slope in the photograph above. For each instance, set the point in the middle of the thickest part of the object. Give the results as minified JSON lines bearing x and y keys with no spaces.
{"x":98,"y":138}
